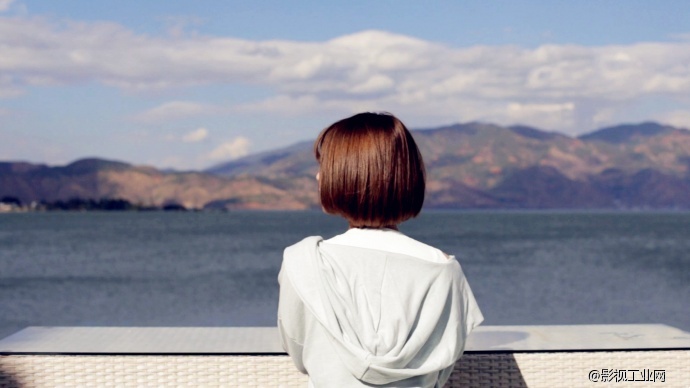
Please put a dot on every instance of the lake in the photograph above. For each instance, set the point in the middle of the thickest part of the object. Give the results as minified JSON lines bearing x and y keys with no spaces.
{"x":220,"y":269}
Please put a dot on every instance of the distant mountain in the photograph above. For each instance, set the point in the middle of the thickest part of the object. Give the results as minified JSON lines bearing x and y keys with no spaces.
{"x":471,"y":165}
{"x":297,"y":159}
{"x":480,"y":165}
{"x":546,"y":187}
{"x":534,"y":133}
{"x":97,"y":179}
{"x":626,"y":132}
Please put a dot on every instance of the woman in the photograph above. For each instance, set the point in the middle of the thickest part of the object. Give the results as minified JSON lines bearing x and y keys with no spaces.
{"x":372,"y":307}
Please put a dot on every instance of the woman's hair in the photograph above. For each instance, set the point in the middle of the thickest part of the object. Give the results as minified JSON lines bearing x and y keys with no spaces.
{"x":371,"y":171}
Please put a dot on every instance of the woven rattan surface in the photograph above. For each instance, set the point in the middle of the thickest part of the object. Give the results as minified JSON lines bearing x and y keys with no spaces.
{"x":533,"y":369}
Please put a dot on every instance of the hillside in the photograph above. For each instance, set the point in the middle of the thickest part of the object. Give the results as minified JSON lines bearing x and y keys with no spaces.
{"x":478,"y":165}
{"x":95,"y":179}
{"x":471,"y":165}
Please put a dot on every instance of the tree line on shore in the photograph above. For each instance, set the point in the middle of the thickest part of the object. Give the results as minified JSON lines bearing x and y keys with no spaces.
{"x":9,"y":204}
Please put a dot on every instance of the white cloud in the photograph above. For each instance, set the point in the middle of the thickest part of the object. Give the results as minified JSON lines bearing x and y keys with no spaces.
{"x":291,"y":106}
{"x":5,"y":5}
{"x":543,"y":115}
{"x":369,"y":69}
{"x":530,"y":109}
{"x":177,"y":26}
{"x":232,"y":149}
{"x":376,"y":84}
{"x":195,"y":136}
{"x":174,"y":110}
{"x":604,"y":116}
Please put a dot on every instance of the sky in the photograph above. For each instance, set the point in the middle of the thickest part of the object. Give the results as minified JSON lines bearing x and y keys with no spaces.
{"x":187,"y":85}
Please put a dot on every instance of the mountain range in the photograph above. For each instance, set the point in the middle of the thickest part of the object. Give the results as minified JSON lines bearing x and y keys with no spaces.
{"x":470,"y":165}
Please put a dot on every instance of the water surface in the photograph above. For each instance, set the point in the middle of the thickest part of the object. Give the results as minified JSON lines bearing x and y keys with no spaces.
{"x":220,"y":269}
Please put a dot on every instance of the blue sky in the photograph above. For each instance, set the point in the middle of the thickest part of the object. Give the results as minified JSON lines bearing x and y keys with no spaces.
{"x":190,"y":84}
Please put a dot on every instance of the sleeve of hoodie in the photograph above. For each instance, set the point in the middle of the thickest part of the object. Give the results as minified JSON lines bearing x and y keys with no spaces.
{"x":473,"y":315}
{"x":291,"y":320}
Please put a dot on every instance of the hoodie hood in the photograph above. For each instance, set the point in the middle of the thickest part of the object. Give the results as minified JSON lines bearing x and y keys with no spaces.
{"x":389,"y":316}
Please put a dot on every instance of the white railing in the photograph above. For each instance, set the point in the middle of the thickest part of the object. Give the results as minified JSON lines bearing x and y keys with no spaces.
{"x":506,"y":356}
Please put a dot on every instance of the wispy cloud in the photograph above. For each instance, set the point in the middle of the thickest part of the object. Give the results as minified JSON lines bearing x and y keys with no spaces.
{"x":233,"y":149}
{"x":556,"y":86}
{"x":195,"y":136}
{"x":551,"y":115}
{"x":174,"y":110}
{"x":8,"y":87}
{"x":5,"y":5}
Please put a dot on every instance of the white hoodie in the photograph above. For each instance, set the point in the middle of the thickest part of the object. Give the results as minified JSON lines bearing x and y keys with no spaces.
{"x":354,"y":316}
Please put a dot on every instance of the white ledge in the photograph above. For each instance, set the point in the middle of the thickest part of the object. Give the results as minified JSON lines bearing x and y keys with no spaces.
{"x":265,"y":340}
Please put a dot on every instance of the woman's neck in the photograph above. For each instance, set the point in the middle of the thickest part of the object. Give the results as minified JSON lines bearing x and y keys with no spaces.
{"x":393,"y":227}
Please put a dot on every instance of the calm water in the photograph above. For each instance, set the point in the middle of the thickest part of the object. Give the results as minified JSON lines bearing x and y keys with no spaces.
{"x":219,"y":269}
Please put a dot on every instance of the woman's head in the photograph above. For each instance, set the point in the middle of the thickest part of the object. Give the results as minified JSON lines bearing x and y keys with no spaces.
{"x":371,"y":171}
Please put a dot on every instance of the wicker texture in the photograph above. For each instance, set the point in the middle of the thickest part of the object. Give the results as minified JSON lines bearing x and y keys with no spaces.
{"x":569,"y":369}
{"x":558,"y":369}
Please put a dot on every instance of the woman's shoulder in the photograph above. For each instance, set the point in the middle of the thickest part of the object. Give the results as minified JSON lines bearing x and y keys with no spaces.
{"x":390,"y":240}
{"x":307,"y":241}
{"x":303,"y":248}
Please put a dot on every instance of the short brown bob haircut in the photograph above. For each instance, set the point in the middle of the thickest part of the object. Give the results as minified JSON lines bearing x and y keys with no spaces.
{"x":371,"y":171}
